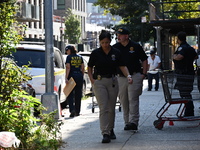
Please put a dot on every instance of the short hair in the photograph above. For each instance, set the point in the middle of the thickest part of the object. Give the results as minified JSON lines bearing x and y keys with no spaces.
{"x":181,"y":36}
{"x":105,"y":34}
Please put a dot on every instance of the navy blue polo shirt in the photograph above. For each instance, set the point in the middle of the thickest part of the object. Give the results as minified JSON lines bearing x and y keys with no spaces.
{"x":185,"y":66}
{"x":75,"y":62}
{"x":133,"y":54}
{"x":105,"y":64}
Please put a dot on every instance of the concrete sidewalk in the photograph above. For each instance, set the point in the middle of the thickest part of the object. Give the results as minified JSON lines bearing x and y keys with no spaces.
{"x":83,"y":133}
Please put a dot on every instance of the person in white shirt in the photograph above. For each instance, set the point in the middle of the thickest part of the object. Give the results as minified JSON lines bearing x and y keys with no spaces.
{"x":154,"y":64}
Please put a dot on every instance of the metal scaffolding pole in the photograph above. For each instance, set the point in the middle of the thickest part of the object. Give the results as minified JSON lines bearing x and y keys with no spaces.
{"x":158,"y":35}
{"x":198,"y":37}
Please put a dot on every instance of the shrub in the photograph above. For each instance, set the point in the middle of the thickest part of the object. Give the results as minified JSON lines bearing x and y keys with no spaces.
{"x":16,"y":106}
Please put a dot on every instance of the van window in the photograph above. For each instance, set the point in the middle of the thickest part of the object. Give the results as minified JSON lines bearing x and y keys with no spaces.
{"x":36,"y":59}
{"x":58,"y":59}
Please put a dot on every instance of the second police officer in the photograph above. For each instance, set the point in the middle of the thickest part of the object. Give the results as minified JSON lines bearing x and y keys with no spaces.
{"x":136,"y":62}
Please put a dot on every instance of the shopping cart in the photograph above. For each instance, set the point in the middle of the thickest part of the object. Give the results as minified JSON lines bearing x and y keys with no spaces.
{"x":177,"y":89}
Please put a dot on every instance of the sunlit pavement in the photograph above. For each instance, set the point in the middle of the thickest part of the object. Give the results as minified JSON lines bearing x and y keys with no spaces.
{"x":83,"y":133}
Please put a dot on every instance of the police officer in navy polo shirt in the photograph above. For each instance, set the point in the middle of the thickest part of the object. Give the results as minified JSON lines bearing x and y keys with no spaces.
{"x":183,"y":59}
{"x":75,"y":69}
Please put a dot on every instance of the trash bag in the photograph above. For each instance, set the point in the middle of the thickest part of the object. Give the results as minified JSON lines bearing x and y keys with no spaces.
{"x":8,"y":139}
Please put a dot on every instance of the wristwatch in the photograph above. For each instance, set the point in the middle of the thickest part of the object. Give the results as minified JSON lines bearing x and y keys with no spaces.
{"x":129,"y":76}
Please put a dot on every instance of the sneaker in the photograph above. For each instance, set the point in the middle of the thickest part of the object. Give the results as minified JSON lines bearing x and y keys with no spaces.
{"x":131,"y":126}
{"x":106,"y":138}
{"x":112,"y":135}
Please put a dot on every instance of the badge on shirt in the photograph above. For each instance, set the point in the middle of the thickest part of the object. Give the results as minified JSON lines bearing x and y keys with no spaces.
{"x":180,"y":48}
{"x":131,"y":49}
{"x":98,"y":77}
{"x":113,"y":57}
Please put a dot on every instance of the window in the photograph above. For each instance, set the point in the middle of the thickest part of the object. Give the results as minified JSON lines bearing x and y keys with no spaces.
{"x":58,"y":59}
{"x":61,"y":4}
{"x":35,"y":59}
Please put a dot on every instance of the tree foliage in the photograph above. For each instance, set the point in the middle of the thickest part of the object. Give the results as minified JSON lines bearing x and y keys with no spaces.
{"x":72,"y":28}
{"x":15,"y":104}
{"x":131,"y":12}
{"x":8,"y":32}
{"x":182,"y":10}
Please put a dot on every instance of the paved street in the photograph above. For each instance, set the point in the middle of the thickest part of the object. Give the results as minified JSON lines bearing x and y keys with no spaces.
{"x":83,"y":133}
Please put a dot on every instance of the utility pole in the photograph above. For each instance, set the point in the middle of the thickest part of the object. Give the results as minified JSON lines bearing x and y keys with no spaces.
{"x":61,"y":36}
{"x":49,"y":99}
{"x":158,"y":35}
{"x":143,"y":20}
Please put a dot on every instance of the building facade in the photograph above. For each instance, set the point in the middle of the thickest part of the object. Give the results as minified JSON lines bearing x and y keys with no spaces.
{"x":78,"y":8}
{"x":30,"y":14}
{"x":92,"y":20}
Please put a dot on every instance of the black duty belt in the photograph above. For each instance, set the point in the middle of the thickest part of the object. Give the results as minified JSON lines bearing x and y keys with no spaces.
{"x":99,"y":77}
{"x":121,"y":75}
{"x":105,"y":76}
{"x":76,"y":72}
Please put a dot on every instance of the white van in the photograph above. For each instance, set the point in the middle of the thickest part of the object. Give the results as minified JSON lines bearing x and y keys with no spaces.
{"x":34,"y":56}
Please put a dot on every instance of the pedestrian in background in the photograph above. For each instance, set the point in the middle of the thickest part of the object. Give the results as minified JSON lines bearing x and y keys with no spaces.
{"x":183,"y":59}
{"x":104,"y":62}
{"x":133,"y":55}
{"x":154,"y":64}
{"x":75,"y":69}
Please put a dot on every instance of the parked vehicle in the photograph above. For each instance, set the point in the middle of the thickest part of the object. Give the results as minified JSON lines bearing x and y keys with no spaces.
{"x":9,"y":63}
{"x":88,"y":85}
{"x":86,"y":55}
{"x":34,"y":56}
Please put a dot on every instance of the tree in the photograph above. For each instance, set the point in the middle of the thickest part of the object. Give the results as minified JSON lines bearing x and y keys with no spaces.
{"x":15,"y":103}
{"x":180,"y":9}
{"x":131,"y":13}
{"x":132,"y":10}
{"x":72,"y":27}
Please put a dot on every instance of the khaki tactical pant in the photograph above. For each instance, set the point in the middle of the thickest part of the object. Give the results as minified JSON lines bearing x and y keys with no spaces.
{"x":129,"y":97}
{"x":106,"y":91}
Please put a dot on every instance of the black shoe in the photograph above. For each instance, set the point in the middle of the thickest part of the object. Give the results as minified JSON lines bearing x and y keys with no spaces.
{"x":127,"y":127}
{"x":112,"y":135}
{"x":149,"y":90}
{"x":106,"y":138}
{"x":156,"y":89}
{"x":130,"y":126}
{"x":77,"y":114}
{"x":72,"y":114}
{"x":189,"y":114}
